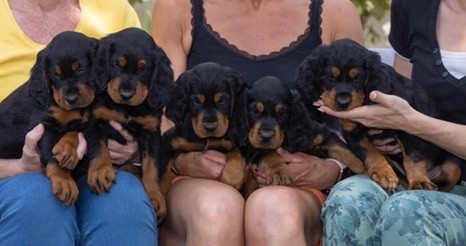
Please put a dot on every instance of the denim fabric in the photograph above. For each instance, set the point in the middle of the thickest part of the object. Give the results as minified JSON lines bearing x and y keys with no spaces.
{"x":359,"y":212}
{"x":31,"y":215}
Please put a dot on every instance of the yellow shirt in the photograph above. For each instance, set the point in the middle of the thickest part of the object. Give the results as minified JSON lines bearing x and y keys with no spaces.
{"x":18,"y":52}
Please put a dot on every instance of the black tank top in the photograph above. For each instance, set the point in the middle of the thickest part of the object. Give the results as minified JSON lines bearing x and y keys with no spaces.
{"x":208,"y":46}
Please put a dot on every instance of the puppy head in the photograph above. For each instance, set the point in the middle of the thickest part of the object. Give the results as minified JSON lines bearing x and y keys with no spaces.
{"x":342,"y":74}
{"x":63,"y":71}
{"x":268,"y":104}
{"x":132,"y":69}
{"x":205,"y":98}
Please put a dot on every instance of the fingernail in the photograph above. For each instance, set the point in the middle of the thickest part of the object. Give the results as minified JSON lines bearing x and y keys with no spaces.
{"x":321,"y":110}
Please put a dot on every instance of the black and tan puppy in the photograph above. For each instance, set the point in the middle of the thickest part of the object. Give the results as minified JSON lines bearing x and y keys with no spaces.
{"x":206,"y":118}
{"x":57,"y":94}
{"x":137,"y":82}
{"x":277,"y":117}
{"x":343,"y":74}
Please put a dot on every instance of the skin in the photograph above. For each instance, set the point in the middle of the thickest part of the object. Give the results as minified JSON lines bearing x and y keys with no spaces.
{"x":196,"y":202}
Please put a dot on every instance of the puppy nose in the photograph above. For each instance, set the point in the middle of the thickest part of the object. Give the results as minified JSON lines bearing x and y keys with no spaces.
{"x":210,"y":126}
{"x":267,"y":134}
{"x":126,"y":94}
{"x":343,"y":98}
{"x":71,"y":98}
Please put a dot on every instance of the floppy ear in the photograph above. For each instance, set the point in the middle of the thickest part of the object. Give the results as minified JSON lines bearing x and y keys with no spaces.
{"x":377,"y":74}
{"x":162,"y":83}
{"x":178,"y":107}
{"x":300,"y":127}
{"x":38,"y":83}
{"x":238,"y":126}
{"x":309,"y":77}
{"x":101,"y":67}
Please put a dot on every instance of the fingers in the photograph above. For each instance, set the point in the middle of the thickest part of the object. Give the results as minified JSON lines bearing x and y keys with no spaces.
{"x":215,"y":156}
{"x":82,"y":146}
{"x":117,"y":126}
{"x":32,"y":137}
{"x":374,"y":131}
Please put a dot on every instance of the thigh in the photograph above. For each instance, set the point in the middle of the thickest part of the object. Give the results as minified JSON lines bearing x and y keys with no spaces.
{"x":352,"y":210}
{"x":422,"y":218}
{"x":123,"y":216}
{"x":31,"y":215}
{"x":203,"y":211}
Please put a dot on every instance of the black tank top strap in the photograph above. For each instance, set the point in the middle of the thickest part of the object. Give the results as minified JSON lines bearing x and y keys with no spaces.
{"x":315,"y":18}
{"x":197,"y":16}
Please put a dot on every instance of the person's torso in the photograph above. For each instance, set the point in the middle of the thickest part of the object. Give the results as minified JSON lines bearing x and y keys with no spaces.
{"x":428,"y":69}
{"x":209,"y":46}
{"x":18,"y":52}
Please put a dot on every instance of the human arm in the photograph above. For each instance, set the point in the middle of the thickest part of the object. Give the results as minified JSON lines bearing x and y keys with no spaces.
{"x":340,"y":19}
{"x":208,"y":164}
{"x":306,"y":170}
{"x":392,"y":112}
{"x":30,"y":160}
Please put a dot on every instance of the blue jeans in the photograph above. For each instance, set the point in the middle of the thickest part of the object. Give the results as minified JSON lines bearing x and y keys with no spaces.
{"x":31,"y":215}
{"x":359,"y":212}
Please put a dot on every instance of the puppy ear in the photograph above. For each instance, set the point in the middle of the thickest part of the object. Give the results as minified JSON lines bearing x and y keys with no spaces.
{"x":178,"y":107}
{"x":162,"y":82}
{"x":101,"y":67}
{"x":309,"y":77}
{"x":238,"y":127}
{"x":377,"y":74}
{"x":38,"y":83}
{"x":300,"y":126}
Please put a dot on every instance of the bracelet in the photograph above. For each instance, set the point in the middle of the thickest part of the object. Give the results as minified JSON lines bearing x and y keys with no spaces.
{"x":342,"y":169}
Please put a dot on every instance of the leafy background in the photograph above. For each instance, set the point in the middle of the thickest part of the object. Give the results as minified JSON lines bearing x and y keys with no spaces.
{"x":371,"y":12}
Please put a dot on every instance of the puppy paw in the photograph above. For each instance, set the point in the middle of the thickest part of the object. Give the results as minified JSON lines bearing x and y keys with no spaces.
{"x":65,"y":189}
{"x":425,"y":184}
{"x":101,"y":179}
{"x":279,"y":175}
{"x":384,"y":176}
{"x":233,"y":177}
{"x":160,"y":207}
{"x":65,"y":155}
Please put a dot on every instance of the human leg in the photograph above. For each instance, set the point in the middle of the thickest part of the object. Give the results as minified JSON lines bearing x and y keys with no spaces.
{"x":31,"y":215}
{"x":123,"y":216}
{"x":203,"y":212}
{"x":422,"y":218}
{"x":280,"y":215}
{"x":351,"y":211}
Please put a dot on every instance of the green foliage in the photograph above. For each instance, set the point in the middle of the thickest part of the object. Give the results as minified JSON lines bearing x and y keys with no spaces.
{"x":132,"y":2}
{"x":374,"y":8}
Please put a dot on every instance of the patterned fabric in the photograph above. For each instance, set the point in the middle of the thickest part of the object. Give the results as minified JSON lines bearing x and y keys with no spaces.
{"x":359,"y":212}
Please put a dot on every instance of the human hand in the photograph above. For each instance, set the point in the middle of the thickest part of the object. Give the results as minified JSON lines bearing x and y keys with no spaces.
{"x":122,"y":154}
{"x":388,"y":146}
{"x":306,"y":170}
{"x":389,"y":112}
{"x":208,"y":164}
{"x":30,"y":160}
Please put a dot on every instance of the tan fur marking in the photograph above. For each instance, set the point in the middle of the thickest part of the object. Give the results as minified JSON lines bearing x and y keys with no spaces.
{"x":317,"y":141}
{"x":74,"y":66}
{"x":108,"y":114}
{"x":276,"y":170}
{"x":217,"y":97}
{"x":416,"y":173}
{"x":184,"y":145}
{"x":122,"y":61}
{"x":63,"y":185}
{"x":141,"y":63}
{"x":201,"y":98}
{"x":335,"y":72}
{"x":150,"y":123}
{"x":346,"y":156}
{"x":58,"y":70}
{"x":234,"y":171}
{"x":353,"y":72}
{"x":278,"y":108}
{"x":140,"y":93}
{"x":65,"y":116}
{"x":260,"y":107}
{"x":219,"y":144}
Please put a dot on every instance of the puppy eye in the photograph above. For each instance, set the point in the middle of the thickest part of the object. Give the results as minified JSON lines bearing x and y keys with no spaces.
{"x":116,"y":64}
{"x":80,"y":71}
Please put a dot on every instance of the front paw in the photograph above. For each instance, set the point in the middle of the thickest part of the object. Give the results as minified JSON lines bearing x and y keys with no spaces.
{"x":160,"y":206}
{"x":233,"y":177}
{"x":384,"y":176}
{"x":101,"y":179}
{"x":65,"y":155}
{"x":278,"y":175}
{"x":65,"y":189}
{"x":424,"y":184}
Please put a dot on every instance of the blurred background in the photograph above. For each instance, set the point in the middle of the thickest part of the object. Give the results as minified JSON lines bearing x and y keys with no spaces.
{"x":375,"y":16}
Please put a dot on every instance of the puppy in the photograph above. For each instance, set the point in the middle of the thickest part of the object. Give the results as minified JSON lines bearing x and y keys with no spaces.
{"x":344,"y":74}
{"x":57,"y":94}
{"x":277,"y":117}
{"x":136,"y":83}
{"x":205,"y":118}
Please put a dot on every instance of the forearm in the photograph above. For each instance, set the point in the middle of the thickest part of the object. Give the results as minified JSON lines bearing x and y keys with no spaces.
{"x":447,"y":135}
{"x":9,"y":168}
